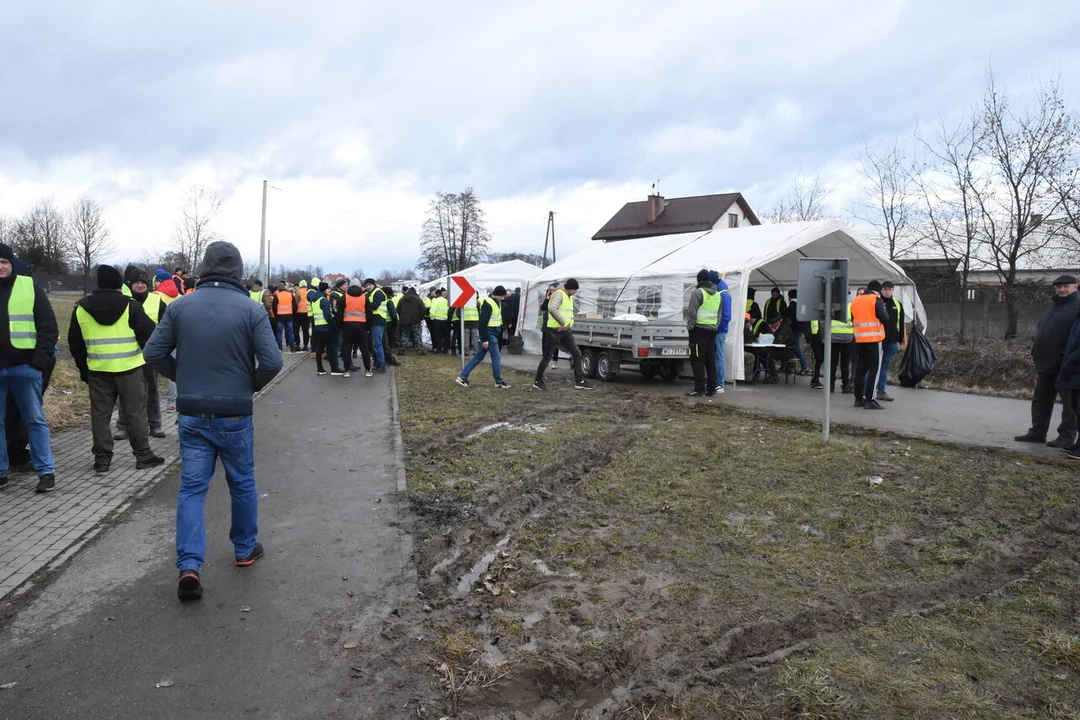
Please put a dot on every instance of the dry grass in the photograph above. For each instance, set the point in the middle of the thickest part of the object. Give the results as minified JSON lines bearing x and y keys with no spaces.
{"x":1001,"y":368}
{"x":67,"y":403}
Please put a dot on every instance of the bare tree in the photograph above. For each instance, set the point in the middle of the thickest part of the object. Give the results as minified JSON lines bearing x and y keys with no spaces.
{"x":192,"y":233}
{"x":890,"y":205}
{"x":40,"y":239}
{"x":88,"y":236}
{"x":454,"y":235}
{"x":804,"y":200}
{"x":1031,"y":151}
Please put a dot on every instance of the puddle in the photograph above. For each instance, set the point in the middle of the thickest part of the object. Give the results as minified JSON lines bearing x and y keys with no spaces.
{"x":526,"y":427}
{"x":618,"y":695}
{"x":445,"y":562}
{"x":465,"y":584}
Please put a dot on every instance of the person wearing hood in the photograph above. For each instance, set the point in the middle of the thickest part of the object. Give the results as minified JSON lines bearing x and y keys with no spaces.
{"x":722,"y":328}
{"x":301,"y":320}
{"x":410,"y":314}
{"x":354,"y":334}
{"x":325,"y":330}
{"x":775,"y":305}
{"x":1048,"y":351}
{"x":225,"y":353}
{"x":703,"y":320}
{"x":154,"y":305}
{"x":28,"y":335}
{"x":107,"y":333}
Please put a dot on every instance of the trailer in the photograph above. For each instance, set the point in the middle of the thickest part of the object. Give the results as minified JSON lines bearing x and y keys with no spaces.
{"x":655,"y":349}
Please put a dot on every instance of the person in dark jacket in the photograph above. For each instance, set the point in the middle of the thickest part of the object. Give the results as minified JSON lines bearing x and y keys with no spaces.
{"x":775,"y":305}
{"x":783,"y":334}
{"x":105,"y":337}
{"x":490,"y":325}
{"x":751,"y":304}
{"x":894,"y":336}
{"x":722,"y":328}
{"x":354,"y":334}
{"x":325,"y":329}
{"x":511,"y":306}
{"x":390,"y":336}
{"x":1049,"y":348}
{"x":1068,"y":382}
{"x":798,"y":327}
{"x":411,"y":312}
{"x":24,"y":361}
{"x":138,"y":281}
{"x":225,"y":353}
{"x":702,"y":320}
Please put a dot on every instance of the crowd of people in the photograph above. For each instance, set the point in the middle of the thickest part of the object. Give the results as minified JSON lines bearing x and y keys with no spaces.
{"x":863,"y":344}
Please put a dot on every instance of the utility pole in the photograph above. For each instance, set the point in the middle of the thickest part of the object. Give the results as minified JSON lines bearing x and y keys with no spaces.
{"x":550,"y":233}
{"x":262,"y":239}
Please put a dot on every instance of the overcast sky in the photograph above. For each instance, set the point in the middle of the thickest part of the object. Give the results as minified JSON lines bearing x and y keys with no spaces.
{"x":359,"y":111}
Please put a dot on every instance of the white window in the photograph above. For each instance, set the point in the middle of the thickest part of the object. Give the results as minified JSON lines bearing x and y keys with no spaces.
{"x":648,"y":301}
{"x":605,"y":300}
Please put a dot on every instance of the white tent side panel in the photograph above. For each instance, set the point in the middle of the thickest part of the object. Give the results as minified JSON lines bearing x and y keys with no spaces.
{"x":655,"y":276}
{"x":509,"y":274}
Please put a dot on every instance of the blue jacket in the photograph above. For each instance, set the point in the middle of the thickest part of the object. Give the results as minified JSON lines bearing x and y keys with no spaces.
{"x":225,"y":350}
{"x":725,"y":301}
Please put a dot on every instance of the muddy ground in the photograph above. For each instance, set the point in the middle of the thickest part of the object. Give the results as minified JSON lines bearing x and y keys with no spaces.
{"x":612,"y":554}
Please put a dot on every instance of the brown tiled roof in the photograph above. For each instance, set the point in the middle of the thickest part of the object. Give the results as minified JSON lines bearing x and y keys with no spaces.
{"x":681,"y":215}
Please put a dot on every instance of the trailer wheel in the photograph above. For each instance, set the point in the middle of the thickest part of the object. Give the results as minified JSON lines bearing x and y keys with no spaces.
{"x":605,"y":367}
{"x":669,"y":370}
{"x":649,"y":369}
{"x":588,"y":363}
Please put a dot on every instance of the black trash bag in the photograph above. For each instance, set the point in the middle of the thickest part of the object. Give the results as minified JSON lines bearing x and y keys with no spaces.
{"x":918,"y":360}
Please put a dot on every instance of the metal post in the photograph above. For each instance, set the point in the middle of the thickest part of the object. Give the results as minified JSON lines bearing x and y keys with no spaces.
{"x":461,"y":336}
{"x":262,"y":239}
{"x":827,"y":369}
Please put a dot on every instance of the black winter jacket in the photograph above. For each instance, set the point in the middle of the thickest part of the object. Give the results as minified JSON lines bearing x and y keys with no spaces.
{"x":41,"y":357}
{"x":106,"y":307}
{"x":410,"y":309}
{"x":1054,"y":329}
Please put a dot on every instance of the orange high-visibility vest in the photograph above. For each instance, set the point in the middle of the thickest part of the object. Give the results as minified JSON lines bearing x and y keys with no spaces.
{"x":868,"y":329}
{"x":356,"y":308}
{"x":284,"y":302}
{"x":301,"y":301}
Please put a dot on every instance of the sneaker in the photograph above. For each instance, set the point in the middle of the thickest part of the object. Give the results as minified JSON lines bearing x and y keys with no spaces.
{"x":157,"y":432}
{"x":170,"y":410}
{"x":502,"y":386}
{"x":695,"y":393}
{"x":461,"y":381}
{"x":189,"y":586}
{"x":848,"y":391}
{"x":873,"y":405}
{"x":101,"y":467}
{"x":149,"y":462}
{"x":539,"y":385}
{"x":882,"y":395}
{"x":718,"y":391}
{"x":1060,"y":442}
{"x":1028,"y":437}
{"x":711,"y":393}
{"x":251,"y":557}
{"x":46,"y":483}
{"x":381,"y":369}
{"x":816,"y":386}
{"x":347,"y":374}
{"x":583,"y":385}
{"x":1073,"y":453}
{"x":3,"y":481}
{"x":368,"y":373}
{"x":859,"y":402}
{"x":119,"y":435}
{"x":554,"y":364}
{"x":320,"y":373}
{"x":336,"y":373}
{"x":804,"y":372}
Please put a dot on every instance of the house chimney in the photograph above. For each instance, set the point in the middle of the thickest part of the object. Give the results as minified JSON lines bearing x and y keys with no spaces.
{"x":654,"y":206}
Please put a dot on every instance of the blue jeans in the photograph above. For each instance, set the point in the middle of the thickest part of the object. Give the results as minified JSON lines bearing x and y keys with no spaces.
{"x":24,"y":382}
{"x":491,"y":335}
{"x":888,"y":351}
{"x":799,"y":352}
{"x":284,"y":327}
{"x":377,"y":333}
{"x":202,"y":441}
{"x":721,"y":361}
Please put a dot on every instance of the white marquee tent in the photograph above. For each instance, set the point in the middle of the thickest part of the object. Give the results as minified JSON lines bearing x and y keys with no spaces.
{"x":655,"y":276}
{"x":509,"y":274}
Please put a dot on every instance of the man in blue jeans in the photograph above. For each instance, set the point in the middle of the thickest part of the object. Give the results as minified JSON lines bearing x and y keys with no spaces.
{"x":894,"y":336}
{"x":490,"y":326}
{"x":28,"y":334}
{"x":721,"y":328}
{"x":225,"y":352}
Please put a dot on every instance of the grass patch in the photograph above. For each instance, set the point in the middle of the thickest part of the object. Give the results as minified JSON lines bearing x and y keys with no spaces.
{"x":67,"y":403}
{"x":1002,"y":368}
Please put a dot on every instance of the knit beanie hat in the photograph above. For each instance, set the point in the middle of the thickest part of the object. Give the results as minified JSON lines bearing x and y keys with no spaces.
{"x":109,"y":278}
{"x":162,"y":274}
{"x":323,"y":287}
{"x":499,"y":291}
{"x":340,"y":281}
{"x":874,"y":285}
{"x":134,"y":274}
{"x":702,"y":275}
{"x":6,"y":253}
{"x":354,"y":283}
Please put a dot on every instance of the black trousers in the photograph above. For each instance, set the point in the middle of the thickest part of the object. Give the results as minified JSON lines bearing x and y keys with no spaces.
{"x":841,"y":355}
{"x":566,"y":341}
{"x":867,"y":365}
{"x":1042,"y":408}
{"x":703,"y":359}
{"x":817,"y":347}
{"x":302,"y":324}
{"x":325,"y":341}
{"x":440,"y":336}
{"x":354,"y":336}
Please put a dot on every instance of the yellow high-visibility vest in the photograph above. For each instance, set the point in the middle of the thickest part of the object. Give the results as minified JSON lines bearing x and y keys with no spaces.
{"x":110,"y":348}
{"x":21,"y":327}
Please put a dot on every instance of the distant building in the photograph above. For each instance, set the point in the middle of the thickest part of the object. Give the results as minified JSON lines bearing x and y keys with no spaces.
{"x":660,"y":216}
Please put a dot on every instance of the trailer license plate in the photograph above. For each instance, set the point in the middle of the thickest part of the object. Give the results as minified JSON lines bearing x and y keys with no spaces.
{"x":675,"y":351}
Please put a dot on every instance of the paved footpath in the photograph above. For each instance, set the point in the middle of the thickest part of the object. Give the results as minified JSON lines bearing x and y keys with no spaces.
{"x":931,"y":414}
{"x":107,"y":638}
{"x":44,"y":531}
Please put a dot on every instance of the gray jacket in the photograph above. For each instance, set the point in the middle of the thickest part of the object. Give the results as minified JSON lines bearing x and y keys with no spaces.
{"x":225,"y":350}
{"x":695,"y":302}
